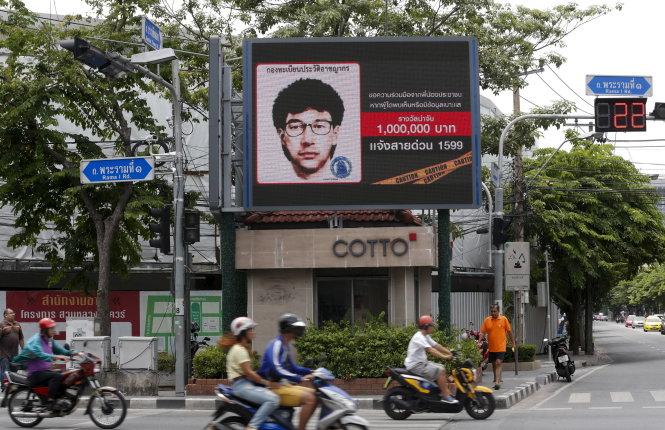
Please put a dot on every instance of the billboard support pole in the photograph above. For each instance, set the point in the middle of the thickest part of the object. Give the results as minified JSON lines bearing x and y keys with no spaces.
{"x":443,"y":216}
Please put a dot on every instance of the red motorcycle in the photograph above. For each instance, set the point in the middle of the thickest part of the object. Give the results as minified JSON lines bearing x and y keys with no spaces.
{"x":27,"y":405}
{"x":482,"y":346}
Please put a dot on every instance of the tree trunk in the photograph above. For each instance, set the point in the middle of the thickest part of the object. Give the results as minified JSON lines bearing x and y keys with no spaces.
{"x":588,"y":321}
{"x":103,"y":317}
{"x":574,"y":326}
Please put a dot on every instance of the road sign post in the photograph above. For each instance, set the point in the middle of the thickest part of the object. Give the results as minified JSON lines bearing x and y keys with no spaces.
{"x":130,"y":169}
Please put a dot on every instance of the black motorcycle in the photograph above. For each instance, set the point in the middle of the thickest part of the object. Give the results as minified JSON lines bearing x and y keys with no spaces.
{"x":194,"y":343}
{"x":563,"y":364}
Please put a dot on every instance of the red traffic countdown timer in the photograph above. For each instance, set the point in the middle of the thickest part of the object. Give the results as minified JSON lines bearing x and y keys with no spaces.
{"x":621,"y":114}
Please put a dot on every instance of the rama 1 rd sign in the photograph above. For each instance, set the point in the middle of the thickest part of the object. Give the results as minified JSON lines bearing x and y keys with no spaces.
{"x":354,"y":123}
{"x":517,"y":269}
{"x":128,"y":169}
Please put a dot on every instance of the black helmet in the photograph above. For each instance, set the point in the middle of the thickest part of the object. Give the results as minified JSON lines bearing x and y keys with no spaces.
{"x":291,"y":323}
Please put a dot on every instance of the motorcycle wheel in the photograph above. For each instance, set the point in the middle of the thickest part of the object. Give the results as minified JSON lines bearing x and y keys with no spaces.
{"x":24,"y":400}
{"x":108,"y":408}
{"x":481,"y":407}
{"x":566,"y":373}
{"x":234,"y":423}
{"x":389,"y":406}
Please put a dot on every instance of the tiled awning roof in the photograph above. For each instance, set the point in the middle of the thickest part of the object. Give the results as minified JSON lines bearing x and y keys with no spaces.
{"x":347,"y":217}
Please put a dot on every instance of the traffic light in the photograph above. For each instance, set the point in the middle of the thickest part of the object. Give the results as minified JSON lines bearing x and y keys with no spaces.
{"x":499,"y":234}
{"x":192,"y":226}
{"x":659,"y":111}
{"x":94,"y":57}
{"x":163,"y":228}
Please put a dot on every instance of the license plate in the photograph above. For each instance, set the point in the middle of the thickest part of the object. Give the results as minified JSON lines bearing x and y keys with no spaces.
{"x":563,"y":359}
{"x":387,"y":382}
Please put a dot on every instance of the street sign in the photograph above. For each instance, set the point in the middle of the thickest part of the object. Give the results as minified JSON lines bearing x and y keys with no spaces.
{"x":516,"y":265}
{"x":495,"y":174}
{"x":638,"y":86}
{"x":117,"y":170}
{"x":151,"y":34}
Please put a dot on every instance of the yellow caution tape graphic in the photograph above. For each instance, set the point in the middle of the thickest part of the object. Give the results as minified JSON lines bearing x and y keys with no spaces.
{"x":428,"y":175}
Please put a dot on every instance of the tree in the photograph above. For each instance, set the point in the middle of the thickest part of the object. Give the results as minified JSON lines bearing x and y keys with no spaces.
{"x":41,"y":87}
{"x":597,"y":216}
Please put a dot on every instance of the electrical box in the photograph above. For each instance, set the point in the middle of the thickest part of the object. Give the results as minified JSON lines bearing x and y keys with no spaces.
{"x":137,"y":352}
{"x":98,"y":346}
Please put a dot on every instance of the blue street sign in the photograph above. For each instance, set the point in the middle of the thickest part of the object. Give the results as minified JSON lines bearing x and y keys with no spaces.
{"x":638,"y":86}
{"x":117,"y":170}
{"x":151,"y":34}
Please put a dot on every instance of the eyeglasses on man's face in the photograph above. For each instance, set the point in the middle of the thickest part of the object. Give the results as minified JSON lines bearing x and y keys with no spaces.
{"x":319,"y":126}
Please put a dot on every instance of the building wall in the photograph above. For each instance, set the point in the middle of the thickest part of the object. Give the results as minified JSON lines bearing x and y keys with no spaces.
{"x":274,"y":292}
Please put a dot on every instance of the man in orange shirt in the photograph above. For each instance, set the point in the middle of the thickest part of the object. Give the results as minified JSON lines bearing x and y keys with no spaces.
{"x":495,"y":328}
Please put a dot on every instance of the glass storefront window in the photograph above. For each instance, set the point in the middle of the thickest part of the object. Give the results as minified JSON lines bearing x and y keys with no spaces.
{"x":351,"y":299}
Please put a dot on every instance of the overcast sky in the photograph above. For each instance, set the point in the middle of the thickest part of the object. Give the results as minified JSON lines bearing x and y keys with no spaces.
{"x":626,"y":42}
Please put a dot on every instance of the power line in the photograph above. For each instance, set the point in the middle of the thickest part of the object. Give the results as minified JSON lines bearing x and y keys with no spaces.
{"x":560,"y":96}
{"x":567,"y":86}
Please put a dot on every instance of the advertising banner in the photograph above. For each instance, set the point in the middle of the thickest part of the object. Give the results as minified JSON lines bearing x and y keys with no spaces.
{"x":358,"y":123}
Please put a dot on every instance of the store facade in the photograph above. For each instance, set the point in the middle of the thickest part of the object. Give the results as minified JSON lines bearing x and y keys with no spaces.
{"x":337,"y":274}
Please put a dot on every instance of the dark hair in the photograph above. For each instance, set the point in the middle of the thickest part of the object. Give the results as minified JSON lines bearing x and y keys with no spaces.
{"x":495,"y":306}
{"x":306,"y":94}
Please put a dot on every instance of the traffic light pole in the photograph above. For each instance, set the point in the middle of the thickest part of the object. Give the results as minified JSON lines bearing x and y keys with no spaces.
{"x":179,"y":249}
{"x":498,"y":196}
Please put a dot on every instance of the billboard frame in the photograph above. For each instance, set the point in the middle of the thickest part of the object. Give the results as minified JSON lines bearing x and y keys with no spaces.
{"x":249,"y":125}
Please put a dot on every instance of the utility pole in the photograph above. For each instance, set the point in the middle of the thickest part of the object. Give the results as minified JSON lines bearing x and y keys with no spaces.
{"x":518,"y":221}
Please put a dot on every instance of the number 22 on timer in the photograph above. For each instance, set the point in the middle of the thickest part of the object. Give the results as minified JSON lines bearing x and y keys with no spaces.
{"x":621,"y":115}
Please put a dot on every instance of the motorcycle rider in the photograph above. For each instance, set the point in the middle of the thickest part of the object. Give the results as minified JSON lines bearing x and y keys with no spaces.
{"x":247,"y":384}
{"x":39,"y":352}
{"x":416,"y":360}
{"x":278,"y":365}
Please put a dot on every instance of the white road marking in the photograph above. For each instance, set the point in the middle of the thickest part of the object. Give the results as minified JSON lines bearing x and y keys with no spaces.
{"x":580,"y":398}
{"x":658,"y":396}
{"x":621,"y":397}
{"x":570,"y":385}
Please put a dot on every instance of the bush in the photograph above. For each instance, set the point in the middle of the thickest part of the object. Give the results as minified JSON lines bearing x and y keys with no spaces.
{"x":209,"y":363}
{"x":364,"y":351}
{"x":165,"y":362}
{"x":525,"y":353}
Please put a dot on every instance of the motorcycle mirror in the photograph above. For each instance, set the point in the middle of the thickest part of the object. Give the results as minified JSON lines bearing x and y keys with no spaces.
{"x":206,"y":339}
{"x":459,"y":347}
{"x":66,"y":346}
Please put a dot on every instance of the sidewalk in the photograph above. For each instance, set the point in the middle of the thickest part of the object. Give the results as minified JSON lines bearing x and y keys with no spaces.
{"x":514,"y":388}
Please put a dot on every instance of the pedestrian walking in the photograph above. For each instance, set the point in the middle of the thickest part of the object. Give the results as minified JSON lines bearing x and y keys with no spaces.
{"x":496,"y":328}
{"x":11,"y":336}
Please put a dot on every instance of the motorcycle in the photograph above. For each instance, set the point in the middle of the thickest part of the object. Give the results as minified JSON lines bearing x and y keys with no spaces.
{"x":27,"y":405}
{"x":338,"y":409}
{"x":563,"y":364}
{"x":194,"y":343}
{"x":482,"y":346}
{"x":418,"y":395}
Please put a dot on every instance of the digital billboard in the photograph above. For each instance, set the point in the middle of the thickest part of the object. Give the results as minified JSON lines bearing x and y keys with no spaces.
{"x":360,"y":123}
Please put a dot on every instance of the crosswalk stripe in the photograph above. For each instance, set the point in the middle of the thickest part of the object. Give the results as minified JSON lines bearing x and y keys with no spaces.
{"x":621,"y":396}
{"x":579,"y":398}
{"x":658,"y":396}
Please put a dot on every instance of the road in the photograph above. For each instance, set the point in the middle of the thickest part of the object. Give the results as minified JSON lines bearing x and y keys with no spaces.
{"x":628,"y":392}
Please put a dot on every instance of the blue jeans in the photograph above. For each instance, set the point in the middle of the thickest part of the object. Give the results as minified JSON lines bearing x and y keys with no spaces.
{"x":268,"y":400}
{"x":4,"y":367}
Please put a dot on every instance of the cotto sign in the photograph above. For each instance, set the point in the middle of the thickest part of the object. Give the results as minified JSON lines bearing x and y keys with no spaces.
{"x":360,"y":247}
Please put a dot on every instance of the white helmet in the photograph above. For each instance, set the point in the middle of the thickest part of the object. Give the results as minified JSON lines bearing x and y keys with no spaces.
{"x":241,"y":324}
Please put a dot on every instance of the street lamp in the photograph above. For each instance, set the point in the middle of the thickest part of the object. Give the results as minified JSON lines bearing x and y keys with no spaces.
{"x":115,"y":65}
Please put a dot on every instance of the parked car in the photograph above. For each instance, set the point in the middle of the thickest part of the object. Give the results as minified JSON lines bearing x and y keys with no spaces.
{"x":638,"y":322}
{"x":629,"y":320}
{"x":653,"y":322}
{"x":604,"y":317}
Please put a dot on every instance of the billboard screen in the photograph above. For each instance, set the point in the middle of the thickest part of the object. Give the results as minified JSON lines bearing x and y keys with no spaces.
{"x":359,"y":123}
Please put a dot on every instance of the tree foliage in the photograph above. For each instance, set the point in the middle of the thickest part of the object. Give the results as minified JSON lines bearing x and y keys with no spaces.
{"x":596,"y":215}
{"x":44,"y":92}
{"x":645,"y":292}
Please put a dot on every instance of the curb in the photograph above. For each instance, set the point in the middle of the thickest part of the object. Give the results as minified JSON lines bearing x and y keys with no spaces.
{"x":524,"y":390}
